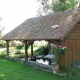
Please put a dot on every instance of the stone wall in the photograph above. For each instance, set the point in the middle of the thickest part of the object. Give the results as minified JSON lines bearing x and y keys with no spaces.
{"x":40,"y":66}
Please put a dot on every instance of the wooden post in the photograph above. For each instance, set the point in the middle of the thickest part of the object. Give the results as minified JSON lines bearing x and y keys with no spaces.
{"x":49,"y":46}
{"x":7,"y":45}
{"x":32,"y":49}
{"x":26,"y":51}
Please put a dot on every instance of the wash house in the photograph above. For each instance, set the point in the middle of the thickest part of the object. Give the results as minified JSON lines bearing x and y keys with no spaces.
{"x":61,"y":28}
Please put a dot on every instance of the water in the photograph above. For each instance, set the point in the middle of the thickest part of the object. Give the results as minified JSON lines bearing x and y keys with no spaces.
{"x":46,"y":62}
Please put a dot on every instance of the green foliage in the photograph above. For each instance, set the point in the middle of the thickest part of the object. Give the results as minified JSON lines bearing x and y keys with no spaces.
{"x":2,"y":44}
{"x":51,"y":6}
{"x":15,"y":71}
{"x":19,"y":46}
{"x":42,"y":50}
{"x":3,"y":54}
{"x":55,"y":52}
{"x":18,"y":54}
{"x":76,"y":64}
{"x":63,"y":5}
{"x":70,"y":72}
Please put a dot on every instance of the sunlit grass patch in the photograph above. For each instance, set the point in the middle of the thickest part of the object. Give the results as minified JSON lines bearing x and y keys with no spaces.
{"x":10,"y":70}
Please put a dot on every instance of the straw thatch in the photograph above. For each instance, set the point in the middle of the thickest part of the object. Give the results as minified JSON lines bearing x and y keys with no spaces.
{"x":40,"y":28}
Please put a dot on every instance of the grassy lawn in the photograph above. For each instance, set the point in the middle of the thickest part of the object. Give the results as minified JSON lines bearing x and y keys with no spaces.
{"x":10,"y":70}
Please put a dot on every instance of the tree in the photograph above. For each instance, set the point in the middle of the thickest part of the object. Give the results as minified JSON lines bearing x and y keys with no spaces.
{"x":53,"y":6}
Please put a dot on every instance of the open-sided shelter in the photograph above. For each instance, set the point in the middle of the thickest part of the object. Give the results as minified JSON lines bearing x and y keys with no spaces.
{"x":62,"y":28}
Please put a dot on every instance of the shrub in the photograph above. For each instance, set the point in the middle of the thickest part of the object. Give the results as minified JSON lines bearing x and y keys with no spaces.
{"x":46,"y":50}
{"x":76,"y":64}
{"x":43,"y":50}
{"x":2,"y":45}
{"x":70,"y":72}
{"x":19,"y":46}
{"x":3,"y":54}
{"x":18,"y":54}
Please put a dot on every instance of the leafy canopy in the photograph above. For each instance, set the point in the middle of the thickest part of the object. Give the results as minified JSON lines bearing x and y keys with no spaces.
{"x":51,"y":6}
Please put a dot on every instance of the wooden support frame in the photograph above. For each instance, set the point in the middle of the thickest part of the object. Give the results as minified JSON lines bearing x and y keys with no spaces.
{"x":7,"y":46}
{"x":26,"y":50}
{"x":32,"y":49}
{"x":49,"y":47}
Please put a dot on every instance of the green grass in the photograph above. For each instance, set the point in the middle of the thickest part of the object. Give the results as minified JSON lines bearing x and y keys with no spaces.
{"x":15,"y":71}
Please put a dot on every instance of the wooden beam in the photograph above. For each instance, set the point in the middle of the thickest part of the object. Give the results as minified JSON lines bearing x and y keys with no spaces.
{"x":7,"y":46}
{"x":32,"y":49}
{"x":26,"y":51}
{"x":49,"y":47}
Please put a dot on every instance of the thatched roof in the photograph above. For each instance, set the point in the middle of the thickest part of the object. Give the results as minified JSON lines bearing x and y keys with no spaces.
{"x":40,"y":28}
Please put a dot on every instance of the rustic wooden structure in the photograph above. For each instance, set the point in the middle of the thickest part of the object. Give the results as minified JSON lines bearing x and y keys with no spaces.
{"x":72,"y":42}
{"x":62,"y":28}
